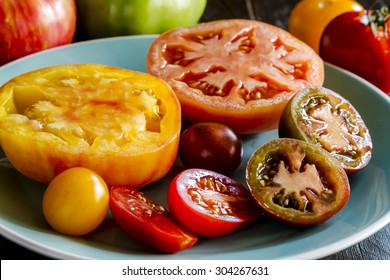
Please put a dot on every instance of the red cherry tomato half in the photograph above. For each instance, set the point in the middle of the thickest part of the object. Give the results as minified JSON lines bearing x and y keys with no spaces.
{"x":210,"y":204}
{"x":211,"y":146}
{"x":147,"y":221}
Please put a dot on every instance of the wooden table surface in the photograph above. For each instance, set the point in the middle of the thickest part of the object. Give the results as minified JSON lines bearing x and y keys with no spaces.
{"x":375,"y":247}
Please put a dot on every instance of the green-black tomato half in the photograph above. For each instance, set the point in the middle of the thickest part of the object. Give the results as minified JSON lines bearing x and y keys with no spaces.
{"x":323,"y":117}
{"x":296,"y":182}
{"x":107,"y":18}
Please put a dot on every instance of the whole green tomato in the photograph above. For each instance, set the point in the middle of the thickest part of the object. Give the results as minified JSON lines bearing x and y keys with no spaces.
{"x":107,"y":18}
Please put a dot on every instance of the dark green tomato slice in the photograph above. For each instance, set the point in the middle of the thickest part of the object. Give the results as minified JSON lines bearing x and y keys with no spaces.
{"x":321,"y":116}
{"x":296,"y":182}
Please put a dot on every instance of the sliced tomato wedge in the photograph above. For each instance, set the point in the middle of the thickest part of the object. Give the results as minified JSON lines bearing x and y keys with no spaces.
{"x":210,"y":204}
{"x":296,"y":182}
{"x":237,"y":72}
{"x":148,"y":222}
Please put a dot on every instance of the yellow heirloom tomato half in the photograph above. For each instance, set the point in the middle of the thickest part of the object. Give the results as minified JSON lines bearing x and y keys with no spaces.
{"x":122,"y":124}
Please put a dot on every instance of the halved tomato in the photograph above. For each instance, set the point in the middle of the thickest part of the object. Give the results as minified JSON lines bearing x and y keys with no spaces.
{"x":237,"y":72}
{"x":122,"y":124}
{"x":210,"y":204}
{"x":323,"y":117}
{"x":296,"y":182}
{"x":148,"y":222}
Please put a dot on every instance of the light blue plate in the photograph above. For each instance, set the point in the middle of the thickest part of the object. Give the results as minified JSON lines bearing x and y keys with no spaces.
{"x":367,"y":211}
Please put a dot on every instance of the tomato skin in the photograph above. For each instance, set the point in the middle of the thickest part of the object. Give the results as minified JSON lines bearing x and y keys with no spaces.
{"x":42,"y":137}
{"x":35,"y":25}
{"x":76,"y":201}
{"x":349,"y":42}
{"x":323,"y":117}
{"x":148,"y":222}
{"x":212,"y":146}
{"x":213,"y":189}
{"x":309,"y":18}
{"x":296,"y":182}
{"x":105,"y":18}
{"x":237,"y":72}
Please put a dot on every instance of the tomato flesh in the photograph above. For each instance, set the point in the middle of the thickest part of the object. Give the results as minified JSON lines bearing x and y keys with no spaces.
{"x":210,"y":204}
{"x":148,"y":222}
{"x":297,"y":182}
{"x":323,"y":117}
{"x":237,"y":72}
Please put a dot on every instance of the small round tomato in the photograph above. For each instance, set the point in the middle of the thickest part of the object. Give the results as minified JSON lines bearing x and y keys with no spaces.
{"x":212,"y":146}
{"x":237,"y":72}
{"x":309,"y":18}
{"x":124,"y":125}
{"x":148,"y":222}
{"x":76,"y":201}
{"x":210,"y":204}
{"x":321,"y":116}
{"x":296,"y":182}
{"x":360,"y":42}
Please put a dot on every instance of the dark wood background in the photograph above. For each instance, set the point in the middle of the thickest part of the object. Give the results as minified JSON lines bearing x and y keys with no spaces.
{"x":275,"y":12}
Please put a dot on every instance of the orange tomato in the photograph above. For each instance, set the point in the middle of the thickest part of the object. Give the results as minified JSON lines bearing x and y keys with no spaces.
{"x":122,"y":124}
{"x":309,"y":18}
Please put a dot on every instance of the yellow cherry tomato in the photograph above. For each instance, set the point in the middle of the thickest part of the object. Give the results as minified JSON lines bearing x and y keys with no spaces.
{"x":309,"y":18}
{"x":76,"y":201}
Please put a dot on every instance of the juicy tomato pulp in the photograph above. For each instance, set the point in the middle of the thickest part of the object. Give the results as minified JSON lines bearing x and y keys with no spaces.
{"x":237,"y":72}
{"x":350,"y":42}
{"x":211,"y":146}
{"x":147,"y":221}
{"x":323,"y":117}
{"x":210,"y":204}
{"x":122,"y":124}
{"x":296,"y":182}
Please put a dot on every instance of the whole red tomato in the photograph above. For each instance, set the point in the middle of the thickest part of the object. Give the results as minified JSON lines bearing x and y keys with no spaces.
{"x":360,"y":43}
{"x":34,"y":25}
